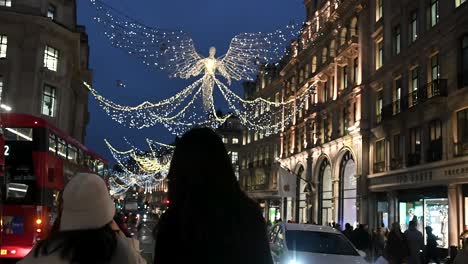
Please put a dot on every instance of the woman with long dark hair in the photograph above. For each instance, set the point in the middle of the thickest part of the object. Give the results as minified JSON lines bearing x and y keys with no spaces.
{"x":209,"y":220}
{"x":87,"y":232}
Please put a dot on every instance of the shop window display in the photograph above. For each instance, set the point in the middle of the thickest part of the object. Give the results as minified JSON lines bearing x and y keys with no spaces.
{"x":427,"y":212}
{"x":436,"y":216}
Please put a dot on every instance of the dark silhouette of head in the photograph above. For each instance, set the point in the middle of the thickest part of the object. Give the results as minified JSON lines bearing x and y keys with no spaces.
{"x":428,"y":230}
{"x":208,"y":212}
{"x":201,"y":171}
{"x":413,"y":225}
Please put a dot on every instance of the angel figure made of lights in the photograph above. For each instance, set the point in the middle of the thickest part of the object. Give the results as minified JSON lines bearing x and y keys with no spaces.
{"x":174,"y":51}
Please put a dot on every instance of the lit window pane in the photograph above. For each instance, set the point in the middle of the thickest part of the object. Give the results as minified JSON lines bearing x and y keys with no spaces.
{"x":3,"y":46}
{"x":51,"y":12}
{"x":5,"y":3}
{"x":51,"y":57}
{"x":48,"y":101}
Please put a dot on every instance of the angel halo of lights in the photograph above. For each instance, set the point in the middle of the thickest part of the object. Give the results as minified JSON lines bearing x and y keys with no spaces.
{"x":174,"y":51}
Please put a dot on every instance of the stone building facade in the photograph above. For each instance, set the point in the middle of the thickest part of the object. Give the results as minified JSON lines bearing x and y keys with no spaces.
{"x":418,"y":75}
{"x":43,"y":61}
{"x":384,"y":138}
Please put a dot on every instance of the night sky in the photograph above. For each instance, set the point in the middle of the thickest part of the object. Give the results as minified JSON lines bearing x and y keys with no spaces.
{"x":210,"y":22}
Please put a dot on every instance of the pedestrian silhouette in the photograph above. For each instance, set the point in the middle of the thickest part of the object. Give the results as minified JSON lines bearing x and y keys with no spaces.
{"x":87,"y":232}
{"x":210,"y":220}
{"x":415,"y":243}
{"x":431,"y":246}
{"x":396,"y":250}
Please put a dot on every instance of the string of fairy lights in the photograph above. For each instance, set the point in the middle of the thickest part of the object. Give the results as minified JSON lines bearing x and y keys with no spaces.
{"x":174,"y":52}
{"x":146,"y":169}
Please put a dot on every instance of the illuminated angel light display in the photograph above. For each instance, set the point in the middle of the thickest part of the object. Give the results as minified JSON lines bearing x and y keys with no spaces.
{"x":174,"y":51}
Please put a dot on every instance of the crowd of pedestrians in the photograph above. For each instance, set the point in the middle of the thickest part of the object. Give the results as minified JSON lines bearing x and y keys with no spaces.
{"x":395,"y":247}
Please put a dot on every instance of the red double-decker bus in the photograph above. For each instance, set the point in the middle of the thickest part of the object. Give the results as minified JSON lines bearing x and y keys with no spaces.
{"x":38,"y":160}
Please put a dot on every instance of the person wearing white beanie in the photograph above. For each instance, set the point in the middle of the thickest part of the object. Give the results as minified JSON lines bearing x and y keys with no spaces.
{"x":87,"y":233}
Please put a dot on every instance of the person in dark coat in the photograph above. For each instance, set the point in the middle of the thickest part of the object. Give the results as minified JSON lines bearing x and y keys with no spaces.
{"x":431,"y":246}
{"x":361,"y":238}
{"x":348,"y":232}
{"x":210,"y":219}
{"x":396,"y":250}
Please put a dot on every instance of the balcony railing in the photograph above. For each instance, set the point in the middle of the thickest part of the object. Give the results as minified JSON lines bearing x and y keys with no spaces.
{"x":461,"y":149}
{"x":379,"y":166}
{"x":413,"y":159}
{"x":396,"y":163}
{"x":435,"y":88}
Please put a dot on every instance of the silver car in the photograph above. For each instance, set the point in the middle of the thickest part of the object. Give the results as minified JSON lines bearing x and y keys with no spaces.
{"x":304,"y":244}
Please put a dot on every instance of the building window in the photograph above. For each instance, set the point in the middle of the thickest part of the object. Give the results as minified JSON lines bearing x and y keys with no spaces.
{"x":3,"y":46}
{"x":235,"y":141}
{"x":435,"y":141}
{"x":314,"y":64}
{"x":225,"y":140}
{"x":49,"y":98}
{"x":413,"y":26}
{"x":461,"y":146}
{"x":397,"y":40}
{"x":462,"y":127}
{"x":234,"y":157}
{"x":435,"y":67}
{"x":414,"y":86}
{"x":434,"y":13}
{"x":324,"y":55}
{"x":355,"y":70}
{"x":378,"y":9}
{"x":414,"y":157}
{"x":396,"y":161}
{"x":379,"y":165}
{"x":344,"y":76}
{"x":51,"y":12}
{"x":379,"y":106}
{"x":464,"y":55}
{"x":1,"y":89}
{"x":325,"y":92}
{"x":379,"y":54}
{"x":325,"y":193}
{"x":396,"y":146}
{"x":51,"y":58}
{"x":6,"y":3}
{"x":397,"y":97}
{"x":343,"y":36}
{"x":457,"y":2}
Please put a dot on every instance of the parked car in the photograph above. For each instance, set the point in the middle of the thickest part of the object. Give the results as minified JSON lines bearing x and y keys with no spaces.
{"x":304,"y":244}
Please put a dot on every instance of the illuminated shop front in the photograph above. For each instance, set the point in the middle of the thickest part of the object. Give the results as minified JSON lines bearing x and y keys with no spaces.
{"x":435,"y":196}
{"x":427,"y":210}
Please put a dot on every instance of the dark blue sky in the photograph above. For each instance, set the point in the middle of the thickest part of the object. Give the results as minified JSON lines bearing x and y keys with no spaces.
{"x":210,"y":22}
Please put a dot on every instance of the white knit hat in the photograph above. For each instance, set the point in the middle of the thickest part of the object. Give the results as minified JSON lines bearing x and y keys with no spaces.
{"x":86,"y":203}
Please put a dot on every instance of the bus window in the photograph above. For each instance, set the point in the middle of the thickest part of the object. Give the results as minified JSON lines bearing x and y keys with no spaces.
{"x":62,"y":148}
{"x":100,"y":168}
{"x":18,"y":134}
{"x":52,"y":143}
{"x":72,"y":153}
{"x":16,"y":190}
{"x":80,"y":157}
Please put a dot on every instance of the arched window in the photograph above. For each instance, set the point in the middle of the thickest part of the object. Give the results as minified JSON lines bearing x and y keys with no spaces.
{"x":348,"y":190}
{"x":354,"y":27}
{"x":314,"y":64}
{"x":324,"y":55}
{"x":325,"y":193}
{"x":343,"y":36}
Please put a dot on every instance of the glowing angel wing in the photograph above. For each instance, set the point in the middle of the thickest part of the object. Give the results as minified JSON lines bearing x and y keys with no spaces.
{"x":248,"y":50}
{"x":169,"y":50}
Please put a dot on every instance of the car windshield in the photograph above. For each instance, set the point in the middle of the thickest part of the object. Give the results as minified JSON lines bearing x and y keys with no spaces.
{"x":319,"y":242}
